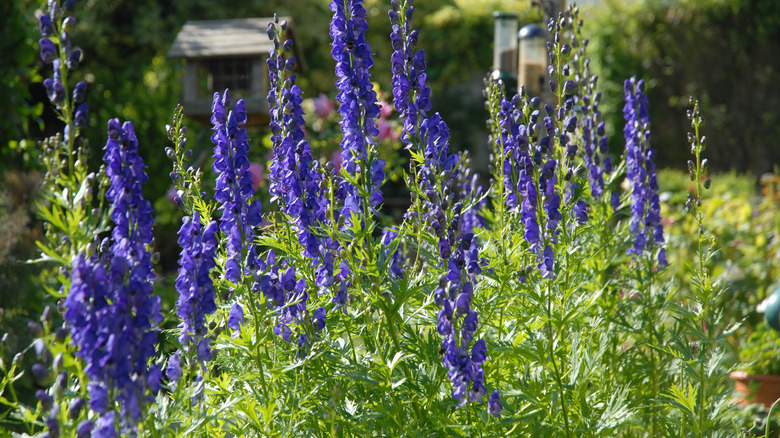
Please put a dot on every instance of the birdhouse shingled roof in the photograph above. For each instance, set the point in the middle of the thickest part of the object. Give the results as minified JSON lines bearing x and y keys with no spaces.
{"x":208,"y":38}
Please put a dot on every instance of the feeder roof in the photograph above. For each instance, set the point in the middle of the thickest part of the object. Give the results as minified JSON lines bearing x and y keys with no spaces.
{"x":209,"y":38}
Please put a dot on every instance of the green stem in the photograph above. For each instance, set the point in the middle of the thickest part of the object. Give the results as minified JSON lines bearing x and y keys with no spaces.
{"x":554,"y":362}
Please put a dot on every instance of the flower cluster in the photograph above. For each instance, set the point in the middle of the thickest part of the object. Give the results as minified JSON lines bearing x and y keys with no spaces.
{"x":640,"y":171}
{"x":111,"y":310}
{"x":234,"y":186}
{"x":359,"y":107}
{"x":194,"y":284}
{"x":288,"y":295}
{"x":530,"y":173}
{"x":457,"y":319}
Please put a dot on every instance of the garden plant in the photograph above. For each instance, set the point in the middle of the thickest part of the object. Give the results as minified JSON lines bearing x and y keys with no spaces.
{"x":536,"y":304}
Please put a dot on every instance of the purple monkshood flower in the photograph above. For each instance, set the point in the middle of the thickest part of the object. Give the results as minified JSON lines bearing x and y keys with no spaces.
{"x":173,"y":370}
{"x":640,"y":171}
{"x":494,"y":404}
{"x":79,"y":92}
{"x":81,"y":118}
{"x":234,"y":186}
{"x":318,"y":318}
{"x":581,"y":212}
{"x":546,"y":266}
{"x":110,"y":307}
{"x":194,"y":284}
{"x":84,"y":429}
{"x":235,"y":319}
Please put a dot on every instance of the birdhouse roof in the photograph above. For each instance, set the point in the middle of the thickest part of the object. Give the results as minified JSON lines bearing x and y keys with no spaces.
{"x":209,"y":38}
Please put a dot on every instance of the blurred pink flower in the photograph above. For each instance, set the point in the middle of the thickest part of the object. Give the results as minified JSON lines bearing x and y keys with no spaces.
{"x":385,"y":109}
{"x":336,"y":158}
{"x":386,"y":130}
{"x":323,"y":106}
{"x":256,"y":169}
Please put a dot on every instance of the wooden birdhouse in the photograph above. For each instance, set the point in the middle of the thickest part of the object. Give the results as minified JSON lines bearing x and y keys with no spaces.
{"x":220,"y":54}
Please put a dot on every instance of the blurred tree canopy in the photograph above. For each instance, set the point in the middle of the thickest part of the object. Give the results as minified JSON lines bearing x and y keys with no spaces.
{"x":125,"y":45}
{"x":724,"y":52}
{"x":18,"y":52}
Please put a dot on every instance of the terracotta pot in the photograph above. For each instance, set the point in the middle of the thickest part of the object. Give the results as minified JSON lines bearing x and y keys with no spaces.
{"x":767,"y":388}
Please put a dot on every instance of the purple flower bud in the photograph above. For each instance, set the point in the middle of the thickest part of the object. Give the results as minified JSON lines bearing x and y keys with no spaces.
{"x":271,"y":31}
{"x":581,"y":211}
{"x":81,"y":118}
{"x":75,"y":408}
{"x":74,"y":59}
{"x":61,"y":383}
{"x":53,"y":426}
{"x":571,"y":124}
{"x":47,"y":28}
{"x":42,"y":374}
{"x":69,"y":23}
{"x":84,"y":429}
{"x":289,"y":64}
{"x":44,"y":398}
{"x":614,"y":201}
{"x":54,"y":9}
{"x":48,"y":50}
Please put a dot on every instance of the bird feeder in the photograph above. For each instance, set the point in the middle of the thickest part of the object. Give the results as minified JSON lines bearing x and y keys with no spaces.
{"x":505,"y":43}
{"x":226,"y":54}
{"x":532,"y":61}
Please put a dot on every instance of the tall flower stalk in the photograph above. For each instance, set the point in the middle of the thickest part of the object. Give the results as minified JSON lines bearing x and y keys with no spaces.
{"x":640,"y":171}
{"x":69,"y":187}
{"x":110,"y":306}
{"x":297,"y":188}
{"x":358,"y":108}
{"x":195,"y":286}
{"x":435,"y":170}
